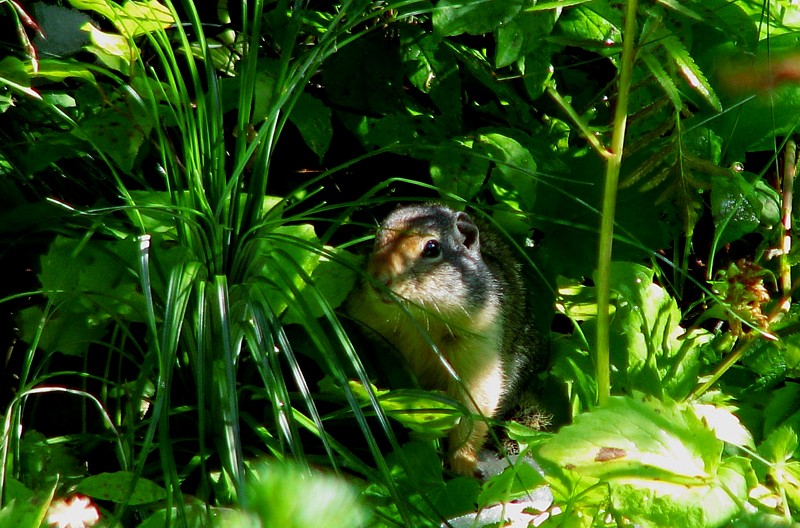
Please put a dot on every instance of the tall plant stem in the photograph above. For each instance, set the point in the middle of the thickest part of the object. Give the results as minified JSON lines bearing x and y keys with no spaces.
{"x":609,"y":205}
{"x":789,"y":172}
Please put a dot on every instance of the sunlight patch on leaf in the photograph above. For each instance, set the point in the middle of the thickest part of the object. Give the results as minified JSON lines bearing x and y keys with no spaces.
{"x":659,"y":459}
{"x":131,"y":18}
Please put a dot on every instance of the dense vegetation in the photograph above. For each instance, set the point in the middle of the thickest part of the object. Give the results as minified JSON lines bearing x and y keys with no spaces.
{"x":188,"y":190}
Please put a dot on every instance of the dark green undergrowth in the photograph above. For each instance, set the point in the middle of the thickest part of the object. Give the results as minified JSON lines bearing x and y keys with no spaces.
{"x":188,"y":190}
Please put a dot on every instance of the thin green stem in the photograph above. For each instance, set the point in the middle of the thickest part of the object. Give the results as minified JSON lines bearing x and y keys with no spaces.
{"x":789,"y":172}
{"x":609,"y":206}
{"x":593,"y":140}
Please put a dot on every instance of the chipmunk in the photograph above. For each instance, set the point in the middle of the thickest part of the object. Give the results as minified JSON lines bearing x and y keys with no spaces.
{"x":435,"y":279}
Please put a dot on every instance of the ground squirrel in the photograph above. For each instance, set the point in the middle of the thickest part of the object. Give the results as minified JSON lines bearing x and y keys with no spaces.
{"x":436,"y":278}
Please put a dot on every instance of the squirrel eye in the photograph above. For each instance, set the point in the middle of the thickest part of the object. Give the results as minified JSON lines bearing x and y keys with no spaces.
{"x":431,"y":249}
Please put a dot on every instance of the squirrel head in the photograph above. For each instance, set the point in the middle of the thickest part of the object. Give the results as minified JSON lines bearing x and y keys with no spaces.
{"x":429,"y":255}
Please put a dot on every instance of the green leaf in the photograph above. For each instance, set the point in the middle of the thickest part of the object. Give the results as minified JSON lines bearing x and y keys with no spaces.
{"x":651,"y":352}
{"x":431,"y":67}
{"x":114,"y":51}
{"x":663,"y":79}
{"x":313,"y":119}
{"x":89,"y":286}
{"x":424,"y":412}
{"x":285,"y":256}
{"x":115,"y":487}
{"x":714,"y":503}
{"x":332,"y":279}
{"x":524,"y":35}
{"x":663,"y":465}
{"x":517,"y":480}
{"x":637,"y":438}
{"x":596,"y":22}
{"x":475,"y":17}
{"x":691,"y":72}
{"x":457,"y":169}
{"x":59,"y":70}
{"x":131,"y":18}
{"x":117,"y":132}
{"x":784,"y":469}
{"x":741,"y":207}
{"x":290,"y":496}
{"x":512,"y":179}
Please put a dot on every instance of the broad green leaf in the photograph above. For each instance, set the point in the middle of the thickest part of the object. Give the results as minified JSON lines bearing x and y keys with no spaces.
{"x":64,"y":330}
{"x":475,"y":17}
{"x":741,"y":207}
{"x":13,"y":70}
{"x":313,"y":119}
{"x":289,"y":495}
{"x":332,"y":279}
{"x":59,"y":70}
{"x":421,"y":411}
{"x":709,"y":504}
{"x":637,"y":438}
{"x":90,"y":286}
{"x":524,"y":35}
{"x":113,"y":50}
{"x":595,"y":22}
{"x":115,"y":487}
{"x":285,"y":257}
{"x":117,"y":132}
{"x":432,"y":68}
{"x":417,"y":468}
{"x":512,"y":178}
{"x":458,"y":169}
{"x":779,"y":450}
{"x":516,"y":481}
{"x":650,"y":351}
{"x":725,"y":424}
{"x":131,"y":18}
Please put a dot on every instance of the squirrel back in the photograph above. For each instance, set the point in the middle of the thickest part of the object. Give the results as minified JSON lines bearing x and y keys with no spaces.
{"x":448,"y":293}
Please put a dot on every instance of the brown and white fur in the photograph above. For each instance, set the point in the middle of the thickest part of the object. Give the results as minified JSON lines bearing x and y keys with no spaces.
{"x":436,"y":282}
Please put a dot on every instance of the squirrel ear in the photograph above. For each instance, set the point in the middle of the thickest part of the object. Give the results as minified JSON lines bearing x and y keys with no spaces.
{"x":468,"y":231}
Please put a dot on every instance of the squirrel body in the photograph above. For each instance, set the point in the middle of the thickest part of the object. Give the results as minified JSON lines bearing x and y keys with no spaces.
{"x":436,"y":281}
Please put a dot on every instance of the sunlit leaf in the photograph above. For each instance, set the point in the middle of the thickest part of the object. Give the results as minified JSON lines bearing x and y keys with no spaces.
{"x":691,"y":72}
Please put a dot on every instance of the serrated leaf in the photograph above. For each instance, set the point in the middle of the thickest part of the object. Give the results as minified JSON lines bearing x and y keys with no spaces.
{"x":651,"y":352}
{"x":663,"y":79}
{"x":779,"y":449}
{"x":691,"y":72}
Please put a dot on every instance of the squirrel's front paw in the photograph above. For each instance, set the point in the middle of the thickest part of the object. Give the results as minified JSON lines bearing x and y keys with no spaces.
{"x":464,"y":461}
